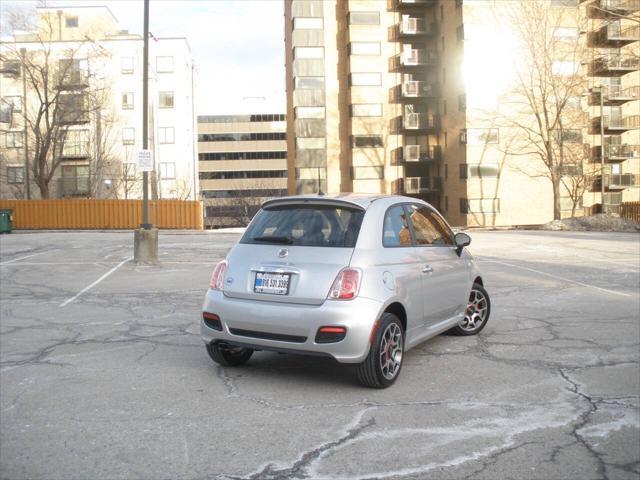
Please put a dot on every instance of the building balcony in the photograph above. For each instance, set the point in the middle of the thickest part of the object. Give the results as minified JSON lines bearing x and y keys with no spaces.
{"x":615,"y":153}
{"x":613,"y":125}
{"x":612,"y":8}
{"x":614,"y":36}
{"x":412,"y":5}
{"x":422,"y":185}
{"x":416,"y":123}
{"x":73,"y":151}
{"x":614,"y":95}
{"x":418,"y":154}
{"x":410,"y":92}
{"x":614,"y":65}
{"x":411,"y":28}
{"x":617,"y":181}
{"x":416,"y":57}
{"x":73,"y":80}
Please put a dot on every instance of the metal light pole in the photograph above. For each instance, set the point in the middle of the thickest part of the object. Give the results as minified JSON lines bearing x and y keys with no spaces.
{"x":145,"y":113}
{"x":25,"y":139}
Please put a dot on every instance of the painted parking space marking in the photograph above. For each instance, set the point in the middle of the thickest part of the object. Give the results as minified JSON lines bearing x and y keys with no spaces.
{"x":557,"y":277}
{"x":89,"y":287}
{"x":26,"y":256}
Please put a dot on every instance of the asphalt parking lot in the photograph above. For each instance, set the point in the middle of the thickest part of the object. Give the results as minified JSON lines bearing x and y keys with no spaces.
{"x":103,"y":374}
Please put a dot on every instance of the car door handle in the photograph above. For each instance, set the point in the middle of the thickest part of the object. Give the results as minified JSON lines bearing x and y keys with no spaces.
{"x":427,"y":269}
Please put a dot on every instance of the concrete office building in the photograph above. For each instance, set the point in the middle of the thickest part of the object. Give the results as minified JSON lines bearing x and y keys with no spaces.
{"x":98,"y":141}
{"x":404,"y":96}
{"x":242,"y":162}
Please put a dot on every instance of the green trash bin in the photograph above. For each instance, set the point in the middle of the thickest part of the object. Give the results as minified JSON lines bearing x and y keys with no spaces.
{"x":6,"y":220}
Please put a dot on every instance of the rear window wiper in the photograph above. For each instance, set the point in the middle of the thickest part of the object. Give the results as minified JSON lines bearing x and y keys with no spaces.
{"x":274,"y":239}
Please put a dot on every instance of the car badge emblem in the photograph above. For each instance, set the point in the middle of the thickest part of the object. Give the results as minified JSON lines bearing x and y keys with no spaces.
{"x":283,"y":252}
{"x":229,"y":281}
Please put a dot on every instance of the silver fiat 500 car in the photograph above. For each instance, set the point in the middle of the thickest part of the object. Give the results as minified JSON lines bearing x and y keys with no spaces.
{"x":358,"y":278}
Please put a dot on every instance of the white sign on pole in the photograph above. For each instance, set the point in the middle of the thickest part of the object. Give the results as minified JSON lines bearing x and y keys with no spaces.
{"x":145,"y":161}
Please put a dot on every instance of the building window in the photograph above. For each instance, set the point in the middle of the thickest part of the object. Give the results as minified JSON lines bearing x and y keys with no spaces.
{"x":365,"y":141}
{"x":164,"y":64}
{"x":258,"y":192}
{"x":364,"y":48}
{"x":126,"y":65}
{"x":128,"y":136}
{"x":308,"y":52}
{"x":565,"y":33}
{"x":460,"y":33}
{"x":364,"y":18}
{"x":309,"y":23}
{"x":309,"y":112}
{"x":446,"y":171}
{"x":129,"y":170}
{"x":262,"y":117}
{"x":71,"y":22}
{"x":309,"y":82}
{"x":564,"y":68}
{"x":310,"y":142}
{"x":462,"y":102}
{"x":368,"y":173}
{"x":480,"y":205}
{"x":12,"y":104}
{"x":11,"y":68}
{"x":241,"y":137}
{"x":479,"y":136}
{"x":75,"y":144}
{"x":366,"y":79}
{"x":166,"y":99}
{"x":569,"y":135}
{"x":311,"y":173}
{"x":75,"y":180}
{"x":564,"y":3}
{"x":165,"y":134}
{"x":241,"y":174}
{"x":15,"y":175}
{"x":167,"y":170}
{"x":446,"y":203}
{"x":127,"y":101}
{"x":242,"y":155}
{"x":479,"y":171}
{"x":13,"y":139}
{"x":366,"y":110}
{"x":444,"y":107}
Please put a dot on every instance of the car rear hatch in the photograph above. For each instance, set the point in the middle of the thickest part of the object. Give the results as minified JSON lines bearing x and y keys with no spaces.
{"x":292,"y":252}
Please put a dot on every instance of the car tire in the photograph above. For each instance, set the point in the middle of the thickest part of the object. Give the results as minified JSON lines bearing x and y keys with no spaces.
{"x":476,"y":315}
{"x":382,"y":366}
{"x":228,"y":356}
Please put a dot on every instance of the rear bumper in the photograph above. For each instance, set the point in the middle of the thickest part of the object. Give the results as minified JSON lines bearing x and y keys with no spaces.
{"x":299,"y":323}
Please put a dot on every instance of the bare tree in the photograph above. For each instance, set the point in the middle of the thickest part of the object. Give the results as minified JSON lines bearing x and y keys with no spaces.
{"x":543,"y":114}
{"x":62,"y":90}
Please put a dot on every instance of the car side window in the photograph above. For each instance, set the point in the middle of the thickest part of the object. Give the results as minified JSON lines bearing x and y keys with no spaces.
{"x":428,"y":228}
{"x":396,"y":228}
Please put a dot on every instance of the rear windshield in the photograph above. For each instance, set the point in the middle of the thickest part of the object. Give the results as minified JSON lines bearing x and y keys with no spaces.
{"x":305,"y":225}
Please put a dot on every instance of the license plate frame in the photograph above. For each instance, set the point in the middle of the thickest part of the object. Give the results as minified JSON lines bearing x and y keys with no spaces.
{"x":278,"y":289}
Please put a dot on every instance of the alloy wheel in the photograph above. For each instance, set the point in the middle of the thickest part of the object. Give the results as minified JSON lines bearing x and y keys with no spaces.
{"x":391,"y":351}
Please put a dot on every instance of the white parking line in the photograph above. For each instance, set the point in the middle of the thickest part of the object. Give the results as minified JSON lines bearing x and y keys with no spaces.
{"x":27,"y":256}
{"x":69,"y":300}
{"x":557,"y":277}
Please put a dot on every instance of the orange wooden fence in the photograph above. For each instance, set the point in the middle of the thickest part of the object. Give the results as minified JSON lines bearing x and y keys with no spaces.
{"x":102,"y":214}
{"x":630,"y":210}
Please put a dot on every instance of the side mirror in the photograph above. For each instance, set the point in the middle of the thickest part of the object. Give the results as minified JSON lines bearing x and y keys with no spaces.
{"x":461,"y":240}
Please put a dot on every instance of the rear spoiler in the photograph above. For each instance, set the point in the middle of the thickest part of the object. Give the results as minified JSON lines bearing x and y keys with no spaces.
{"x":280,"y":202}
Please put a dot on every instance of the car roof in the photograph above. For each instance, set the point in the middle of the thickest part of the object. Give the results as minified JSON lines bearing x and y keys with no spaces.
{"x":361,"y":200}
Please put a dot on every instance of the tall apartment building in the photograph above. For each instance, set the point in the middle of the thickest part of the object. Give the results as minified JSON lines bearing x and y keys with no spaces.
{"x":95,"y":71}
{"x":613,"y":31}
{"x":242,"y":162}
{"x":404,"y":96}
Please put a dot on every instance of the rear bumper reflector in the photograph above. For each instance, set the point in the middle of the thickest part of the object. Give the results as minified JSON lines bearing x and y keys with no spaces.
{"x":212,"y":320}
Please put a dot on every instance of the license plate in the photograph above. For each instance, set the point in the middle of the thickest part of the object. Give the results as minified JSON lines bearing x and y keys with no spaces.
{"x":273,"y":283}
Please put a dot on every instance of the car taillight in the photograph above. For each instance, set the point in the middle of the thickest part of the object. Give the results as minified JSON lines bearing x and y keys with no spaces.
{"x":217,"y":277}
{"x":346,"y":284}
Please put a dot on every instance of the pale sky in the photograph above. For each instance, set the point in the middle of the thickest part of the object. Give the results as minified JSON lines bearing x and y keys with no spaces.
{"x":237,"y":45}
